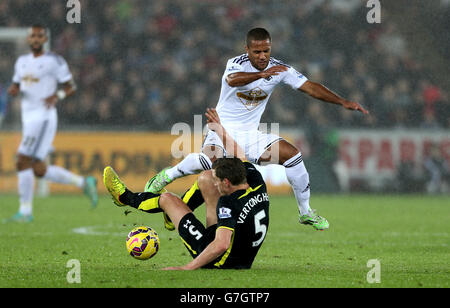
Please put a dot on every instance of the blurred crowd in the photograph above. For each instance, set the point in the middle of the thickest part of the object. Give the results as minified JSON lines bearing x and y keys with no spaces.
{"x":150,"y":64}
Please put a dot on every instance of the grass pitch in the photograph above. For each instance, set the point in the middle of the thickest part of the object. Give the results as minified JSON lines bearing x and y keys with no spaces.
{"x":408,"y":235}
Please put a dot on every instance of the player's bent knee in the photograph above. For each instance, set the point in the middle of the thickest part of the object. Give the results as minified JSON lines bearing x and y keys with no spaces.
{"x":205,"y":179}
{"x":169,"y":200}
{"x":39,"y":168}
{"x":287,"y":151}
{"x":23,"y":162}
{"x":166,"y":199}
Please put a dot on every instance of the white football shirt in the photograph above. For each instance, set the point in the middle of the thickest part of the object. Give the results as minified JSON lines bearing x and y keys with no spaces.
{"x":241,"y":108}
{"x":38,"y":78}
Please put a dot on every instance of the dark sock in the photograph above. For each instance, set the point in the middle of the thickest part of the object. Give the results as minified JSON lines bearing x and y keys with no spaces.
{"x":135,"y":199}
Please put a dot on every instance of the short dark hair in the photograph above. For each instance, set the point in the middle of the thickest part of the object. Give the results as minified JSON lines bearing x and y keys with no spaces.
{"x":257,"y":34}
{"x":232,"y":169}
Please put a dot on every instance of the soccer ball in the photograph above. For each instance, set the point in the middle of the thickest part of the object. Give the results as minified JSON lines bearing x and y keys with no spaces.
{"x":142,"y":243}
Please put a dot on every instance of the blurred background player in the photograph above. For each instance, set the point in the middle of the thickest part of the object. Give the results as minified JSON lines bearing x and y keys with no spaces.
{"x":36,"y":77}
{"x":247,"y":84}
{"x":437,"y":171}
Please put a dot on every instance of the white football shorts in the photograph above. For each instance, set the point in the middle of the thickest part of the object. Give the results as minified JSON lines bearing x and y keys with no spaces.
{"x":254,"y":143}
{"x":37,"y":137}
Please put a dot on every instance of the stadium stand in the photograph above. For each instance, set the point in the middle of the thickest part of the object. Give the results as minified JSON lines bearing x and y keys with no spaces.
{"x":133,"y":60}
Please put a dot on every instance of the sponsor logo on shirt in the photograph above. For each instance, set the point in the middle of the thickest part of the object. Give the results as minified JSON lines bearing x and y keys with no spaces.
{"x":29,"y":79}
{"x":299,"y":75}
{"x":233,"y":68}
{"x":252,"y":98}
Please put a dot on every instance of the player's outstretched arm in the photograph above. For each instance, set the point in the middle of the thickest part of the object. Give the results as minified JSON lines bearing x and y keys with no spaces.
{"x":319,"y":91}
{"x":243,"y":78}
{"x":230,"y":145}
{"x":214,"y":250}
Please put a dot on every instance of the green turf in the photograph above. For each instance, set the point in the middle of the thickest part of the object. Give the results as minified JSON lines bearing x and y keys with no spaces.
{"x":409,"y":235}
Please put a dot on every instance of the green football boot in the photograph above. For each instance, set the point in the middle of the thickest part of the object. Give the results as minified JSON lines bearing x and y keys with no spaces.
{"x":318,"y":222}
{"x":19,"y":218}
{"x":157,"y":183}
{"x":90,"y":190}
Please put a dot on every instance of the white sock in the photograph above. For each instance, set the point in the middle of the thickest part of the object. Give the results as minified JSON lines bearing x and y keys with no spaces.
{"x":63,"y":176}
{"x":25,"y":187}
{"x":191,"y":164}
{"x":298,"y":177}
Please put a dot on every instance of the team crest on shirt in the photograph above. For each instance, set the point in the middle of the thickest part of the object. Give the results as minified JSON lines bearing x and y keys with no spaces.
{"x":224,"y":212}
{"x":252,"y":98}
{"x":29,"y":79}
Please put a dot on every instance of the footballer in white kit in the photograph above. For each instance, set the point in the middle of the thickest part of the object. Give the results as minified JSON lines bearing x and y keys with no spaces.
{"x":247,"y":84}
{"x":36,"y":77}
{"x":240,"y":108}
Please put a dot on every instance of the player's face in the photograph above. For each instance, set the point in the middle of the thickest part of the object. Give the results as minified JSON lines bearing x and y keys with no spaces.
{"x":223,"y":186}
{"x":259,"y":53}
{"x":37,"y":39}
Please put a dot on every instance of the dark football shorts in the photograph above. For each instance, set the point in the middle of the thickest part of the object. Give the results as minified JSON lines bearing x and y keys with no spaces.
{"x":194,"y":234}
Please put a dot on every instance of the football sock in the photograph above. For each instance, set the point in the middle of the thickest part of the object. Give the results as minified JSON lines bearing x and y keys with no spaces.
{"x":191,"y":164}
{"x":63,"y":176}
{"x":26,"y":190}
{"x":145,"y":201}
{"x":193,"y":197}
{"x":298,"y":177}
